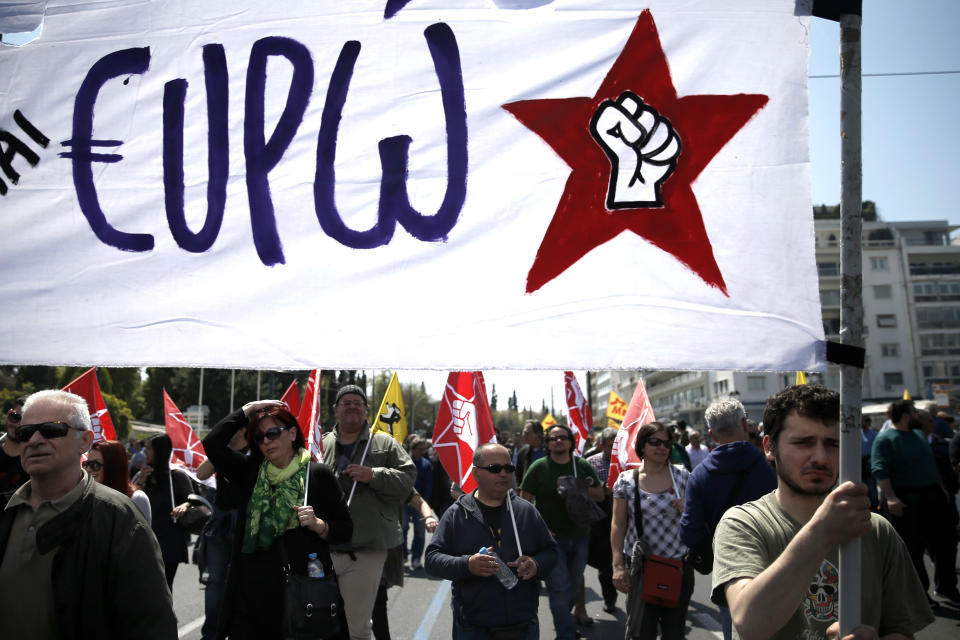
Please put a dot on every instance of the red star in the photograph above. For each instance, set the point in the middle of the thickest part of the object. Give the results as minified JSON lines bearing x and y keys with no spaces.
{"x":704,"y":123}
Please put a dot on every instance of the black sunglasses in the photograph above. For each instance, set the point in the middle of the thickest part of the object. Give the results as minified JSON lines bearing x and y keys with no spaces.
{"x":497,"y":468}
{"x":657,"y":442}
{"x":270,"y":434}
{"x":48,"y":430}
{"x":13,"y":416}
{"x":555,"y":438}
{"x":92,"y":465}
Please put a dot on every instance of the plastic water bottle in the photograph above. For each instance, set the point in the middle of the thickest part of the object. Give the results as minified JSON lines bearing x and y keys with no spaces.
{"x":314,"y":566}
{"x":506,"y":577}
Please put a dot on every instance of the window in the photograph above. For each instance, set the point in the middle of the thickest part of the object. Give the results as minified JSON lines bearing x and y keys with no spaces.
{"x":892,"y":378}
{"x":938,"y":317}
{"x":830,"y":298}
{"x":890,"y":350}
{"x":756,"y":383}
{"x":828,"y":269}
{"x":882,"y":291}
{"x":878,"y":263}
{"x":831,"y":326}
{"x":721,"y":387}
{"x":939,"y":344}
{"x":886,"y":320}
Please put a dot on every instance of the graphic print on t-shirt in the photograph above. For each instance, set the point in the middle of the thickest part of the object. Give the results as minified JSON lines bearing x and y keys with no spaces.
{"x":820,"y":601}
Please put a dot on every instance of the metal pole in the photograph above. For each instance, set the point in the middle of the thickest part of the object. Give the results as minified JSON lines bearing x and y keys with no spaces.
{"x":200,"y":404}
{"x":233,"y":385}
{"x":851,"y":296}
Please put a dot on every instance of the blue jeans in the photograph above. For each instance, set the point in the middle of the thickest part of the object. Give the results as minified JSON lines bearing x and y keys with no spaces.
{"x":419,"y":532}
{"x":562,"y":583}
{"x":218,"y":562}
{"x":467,"y":632}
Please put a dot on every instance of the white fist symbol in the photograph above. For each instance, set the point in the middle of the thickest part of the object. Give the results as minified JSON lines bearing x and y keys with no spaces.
{"x":462,"y":416}
{"x":642,"y":147}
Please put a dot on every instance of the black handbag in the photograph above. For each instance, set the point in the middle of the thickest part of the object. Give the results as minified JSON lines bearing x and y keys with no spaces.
{"x":197,"y":514}
{"x":311,"y":606}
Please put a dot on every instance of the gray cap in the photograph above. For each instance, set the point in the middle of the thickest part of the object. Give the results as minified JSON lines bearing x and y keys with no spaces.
{"x":350,"y":388}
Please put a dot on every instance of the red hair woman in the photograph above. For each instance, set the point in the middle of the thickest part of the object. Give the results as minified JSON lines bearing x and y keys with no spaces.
{"x":107,"y":463}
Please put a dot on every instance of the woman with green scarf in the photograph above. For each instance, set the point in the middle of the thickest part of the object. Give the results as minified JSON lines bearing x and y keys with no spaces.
{"x":268,"y":487}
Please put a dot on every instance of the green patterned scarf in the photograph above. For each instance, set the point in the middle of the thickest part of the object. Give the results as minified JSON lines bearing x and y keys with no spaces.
{"x":271,"y":509}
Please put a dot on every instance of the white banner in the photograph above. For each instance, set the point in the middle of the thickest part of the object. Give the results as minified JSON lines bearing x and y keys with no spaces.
{"x":371,"y":184}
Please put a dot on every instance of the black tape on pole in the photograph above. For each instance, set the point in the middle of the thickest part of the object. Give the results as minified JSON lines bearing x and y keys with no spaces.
{"x":845,"y":354}
{"x":833,"y":9}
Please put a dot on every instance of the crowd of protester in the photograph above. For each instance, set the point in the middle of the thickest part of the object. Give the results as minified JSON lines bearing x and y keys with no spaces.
{"x":747,"y":497}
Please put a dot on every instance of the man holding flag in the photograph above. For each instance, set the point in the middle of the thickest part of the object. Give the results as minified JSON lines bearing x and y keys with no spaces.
{"x":776,"y":558}
{"x":377,"y":476}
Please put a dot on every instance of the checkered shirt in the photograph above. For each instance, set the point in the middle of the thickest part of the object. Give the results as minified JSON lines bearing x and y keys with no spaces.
{"x":661,"y":522}
{"x":600,"y":464}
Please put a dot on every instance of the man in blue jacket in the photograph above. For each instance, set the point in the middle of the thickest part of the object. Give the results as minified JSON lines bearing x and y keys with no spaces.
{"x":494,"y":518}
{"x":735,"y":472}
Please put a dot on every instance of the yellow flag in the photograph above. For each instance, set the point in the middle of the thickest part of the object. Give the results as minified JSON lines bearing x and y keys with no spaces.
{"x":392,"y":418}
{"x":612,"y":424}
{"x":801,"y":378}
{"x":616,"y":407}
{"x":906,"y":394}
{"x":548,"y":422}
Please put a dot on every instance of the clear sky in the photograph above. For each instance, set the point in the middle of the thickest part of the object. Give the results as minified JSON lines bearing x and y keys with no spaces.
{"x":910,"y":123}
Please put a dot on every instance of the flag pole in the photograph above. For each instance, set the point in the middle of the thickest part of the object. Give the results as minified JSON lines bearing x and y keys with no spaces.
{"x":851,"y":293}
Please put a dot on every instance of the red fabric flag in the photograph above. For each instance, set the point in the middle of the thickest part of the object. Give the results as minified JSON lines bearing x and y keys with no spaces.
{"x":578,"y":410}
{"x":87,"y":387}
{"x":639,"y":413}
{"x":292,"y":397}
{"x":187,"y":448}
{"x":309,"y":416}
{"x":464,"y":422}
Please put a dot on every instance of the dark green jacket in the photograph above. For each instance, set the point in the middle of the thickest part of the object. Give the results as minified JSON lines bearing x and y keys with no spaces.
{"x":107,"y":576}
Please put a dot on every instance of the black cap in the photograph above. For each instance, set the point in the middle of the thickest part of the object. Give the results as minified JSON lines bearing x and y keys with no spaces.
{"x":350,"y":388}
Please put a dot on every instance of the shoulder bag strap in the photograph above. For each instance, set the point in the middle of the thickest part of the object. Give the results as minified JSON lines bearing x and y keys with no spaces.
{"x":637,"y":510}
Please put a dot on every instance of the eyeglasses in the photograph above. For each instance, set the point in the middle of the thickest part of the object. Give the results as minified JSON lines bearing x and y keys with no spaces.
{"x":657,"y":442}
{"x":48,"y":430}
{"x":13,"y":416}
{"x":497,"y":468}
{"x":92,"y":465}
{"x":555,"y":438}
{"x":351,"y":403}
{"x":270,"y":434}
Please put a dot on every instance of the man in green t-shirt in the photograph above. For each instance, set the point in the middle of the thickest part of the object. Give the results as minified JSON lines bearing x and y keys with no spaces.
{"x":776,"y":558}
{"x":540,"y":487}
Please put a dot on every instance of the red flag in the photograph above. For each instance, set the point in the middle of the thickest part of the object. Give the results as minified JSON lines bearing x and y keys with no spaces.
{"x":463,"y":423}
{"x":309,"y":416}
{"x":578,"y":411}
{"x":292,"y":397}
{"x":187,"y":448}
{"x":639,"y":413}
{"x":87,"y":387}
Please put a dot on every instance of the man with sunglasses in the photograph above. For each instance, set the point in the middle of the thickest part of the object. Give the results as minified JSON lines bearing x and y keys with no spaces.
{"x":377,"y":476}
{"x":540,"y":487}
{"x":71,"y":548}
{"x":497,"y":519}
{"x":12,"y":475}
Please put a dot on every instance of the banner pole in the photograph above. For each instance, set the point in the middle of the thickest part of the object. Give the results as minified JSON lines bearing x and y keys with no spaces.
{"x":851,"y":296}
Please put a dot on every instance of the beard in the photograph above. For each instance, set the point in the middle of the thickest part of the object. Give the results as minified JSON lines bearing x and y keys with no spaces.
{"x":794,"y":485}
